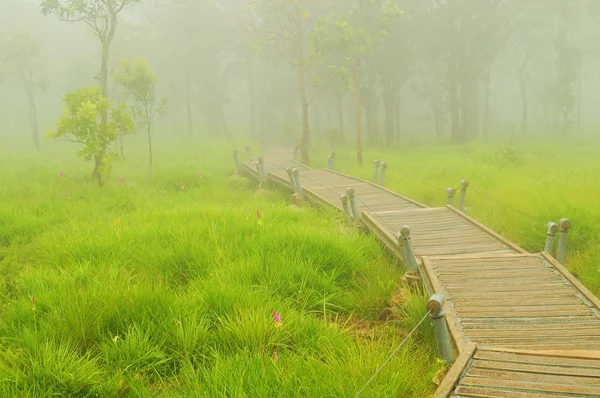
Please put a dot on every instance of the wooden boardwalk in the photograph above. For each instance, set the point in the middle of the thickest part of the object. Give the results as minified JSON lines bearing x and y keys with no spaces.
{"x":521,"y":324}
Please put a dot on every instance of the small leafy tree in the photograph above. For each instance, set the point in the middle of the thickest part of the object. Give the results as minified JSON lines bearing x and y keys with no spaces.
{"x":139,"y":82}
{"x":81,"y":123}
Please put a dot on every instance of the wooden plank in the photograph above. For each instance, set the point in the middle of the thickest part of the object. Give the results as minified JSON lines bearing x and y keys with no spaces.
{"x":451,"y":379}
{"x":514,"y":246}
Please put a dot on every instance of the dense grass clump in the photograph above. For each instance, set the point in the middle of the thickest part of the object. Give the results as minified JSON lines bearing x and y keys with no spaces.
{"x":166,"y":284}
{"x":516,"y":189}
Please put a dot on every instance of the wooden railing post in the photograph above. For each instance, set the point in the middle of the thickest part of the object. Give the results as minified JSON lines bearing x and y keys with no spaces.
{"x":552,"y":229}
{"x":376,"y":170}
{"x":299,"y":189}
{"x":296,"y":152}
{"x":248,"y":151}
{"x":382,"y":176}
{"x":435,"y":306}
{"x":450,"y":192}
{"x":236,"y":158}
{"x":352,"y":197}
{"x":332,"y":160}
{"x":290,"y":174}
{"x":346,"y":206}
{"x":565,"y":227}
{"x":408,"y":255}
{"x":464,"y":184}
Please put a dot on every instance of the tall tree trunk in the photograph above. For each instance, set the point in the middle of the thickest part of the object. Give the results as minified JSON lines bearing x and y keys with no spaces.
{"x":456,"y":133}
{"x":388,"y":108}
{"x":524,"y":102}
{"x":188,"y":104}
{"x":33,"y":117}
{"x":340,"y":117}
{"x":358,"y":116}
{"x":486,"y":101}
{"x":150,"y":157}
{"x":250,"y":77}
{"x":304,"y":142}
{"x":396,"y":111}
{"x":121,"y":147}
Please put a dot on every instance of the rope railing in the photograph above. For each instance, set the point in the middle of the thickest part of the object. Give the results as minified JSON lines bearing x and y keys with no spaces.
{"x":383,"y":365}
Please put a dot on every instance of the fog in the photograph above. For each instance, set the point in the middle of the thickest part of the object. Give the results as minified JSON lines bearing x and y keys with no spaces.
{"x":335,"y":70}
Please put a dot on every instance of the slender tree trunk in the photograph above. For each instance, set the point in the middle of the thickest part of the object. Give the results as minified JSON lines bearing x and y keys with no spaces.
{"x":456,"y":134}
{"x":486,"y":102}
{"x":188,"y":104}
{"x":340,"y":117}
{"x":121,"y":147}
{"x":396,"y":112}
{"x":304,"y":142}
{"x":150,"y":158}
{"x":358,"y":115}
{"x":250,"y":76}
{"x":387,"y":96}
{"x":33,"y":118}
{"x":524,"y":102}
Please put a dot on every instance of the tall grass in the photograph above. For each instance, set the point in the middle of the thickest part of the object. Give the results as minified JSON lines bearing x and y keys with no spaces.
{"x":146,"y":288}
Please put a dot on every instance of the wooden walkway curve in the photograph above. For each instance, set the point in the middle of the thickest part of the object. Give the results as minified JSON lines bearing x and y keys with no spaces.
{"x":521,"y":324}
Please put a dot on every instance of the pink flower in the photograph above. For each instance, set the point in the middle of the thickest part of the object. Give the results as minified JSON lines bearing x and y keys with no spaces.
{"x":68,"y":195}
{"x":33,"y":301}
{"x":275,"y":356}
{"x":258,"y":213}
{"x":277,"y":319}
{"x":62,"y":173}
{"x":122,"y":180}
{"x":198,"y":175}
{"x":181,"y":185}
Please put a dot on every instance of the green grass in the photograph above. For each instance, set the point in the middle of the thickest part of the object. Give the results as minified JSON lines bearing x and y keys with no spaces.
{"x":146,"y":289}
{"x":546,"y":181}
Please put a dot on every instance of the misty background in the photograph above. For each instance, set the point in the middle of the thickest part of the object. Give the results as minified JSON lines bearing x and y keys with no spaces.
{"x":454,"y":70}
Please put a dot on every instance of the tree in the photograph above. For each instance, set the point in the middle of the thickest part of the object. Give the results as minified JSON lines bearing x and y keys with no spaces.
{"x":139,"y":83}
{"x":22,"y":62}
{"x":281,"y":28}
{"x":351,"y":37}
{"x":82,"y":123}
{"x":102,"y":17}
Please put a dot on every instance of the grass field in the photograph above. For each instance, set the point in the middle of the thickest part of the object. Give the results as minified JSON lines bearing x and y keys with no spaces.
{"x":535,"y":181}
{"x":165,"y":285}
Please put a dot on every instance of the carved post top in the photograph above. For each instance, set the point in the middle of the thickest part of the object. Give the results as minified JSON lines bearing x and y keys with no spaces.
{"x":333,"y":153}
{"x":261,"y":160}
{"x":235,"y":151}
{"x":350,"y":192}
{"x":384,"y":165}
{"x":377,"y":163}
{"x":552,"y":228}
{"x":296,"y":172}
{"x":464,"y":184}
{"x":344,"y":199}
{"x":565,"y":225}
{"x":436,"y":305}
{"x":289,"y":171}
{"x":450,"y":191}
{"x":405,"y":231}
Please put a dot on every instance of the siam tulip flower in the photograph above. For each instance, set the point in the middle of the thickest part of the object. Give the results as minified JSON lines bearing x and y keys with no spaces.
{"x":258,"y":214}
{"x":122,"y":180}
{"x":68,"y":196}
{"x":275,"y":356}
{"x":62,"y":173}
{"x":198,"y":175}
{"x":182,"y":185}
{"x":277,"y":319}
{"x":33,"y":301}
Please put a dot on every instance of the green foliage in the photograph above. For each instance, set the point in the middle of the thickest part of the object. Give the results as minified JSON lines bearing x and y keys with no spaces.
{"x":147,"y":289}
{"x":81,"y":124}
{"x":139,"y":83}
